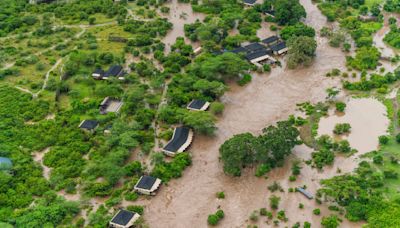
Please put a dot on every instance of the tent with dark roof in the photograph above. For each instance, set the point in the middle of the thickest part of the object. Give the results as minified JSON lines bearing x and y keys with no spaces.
{"x":114,"y":71}
{"x":98,"y":73}
{"x":198,"y":105}
{"x":181,"y":139}
{"x":147,"y":185}
{"x":88,"y":125}
{"x":124,"y":219}
{"x":249,"y":2}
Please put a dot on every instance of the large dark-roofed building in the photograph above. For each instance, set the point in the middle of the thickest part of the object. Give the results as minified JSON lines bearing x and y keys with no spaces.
{"x":147,"y":185}
{"x":124,"y":219}
{"x":198,"y":105}
{"x":181,"y":140}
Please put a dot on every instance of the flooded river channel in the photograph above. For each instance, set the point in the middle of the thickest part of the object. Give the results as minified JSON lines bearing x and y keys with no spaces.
{"x":186,"y":202}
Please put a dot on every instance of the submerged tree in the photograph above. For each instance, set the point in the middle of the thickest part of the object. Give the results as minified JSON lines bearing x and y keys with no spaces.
{"x":301,"y":51}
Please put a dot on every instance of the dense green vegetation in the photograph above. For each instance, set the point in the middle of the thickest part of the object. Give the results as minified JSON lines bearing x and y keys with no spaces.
{"x":267,"y":150}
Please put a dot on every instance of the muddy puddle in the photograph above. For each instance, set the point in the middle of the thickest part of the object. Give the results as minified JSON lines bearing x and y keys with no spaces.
{"x":368,"y":120}
{"x":186,"y":202}
{"x":179,"y":15}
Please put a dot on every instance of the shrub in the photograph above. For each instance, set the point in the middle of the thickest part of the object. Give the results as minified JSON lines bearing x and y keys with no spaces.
{"x":263,"y":211}
{"x":274,"y":187}
{"x":254,"y":216}
{"x":220,"y":195}
{"x":342,"y":128}
{"x":301,"y":206}
{"x":132,"y":196}
{"x":245,"y":80}
{"x":383,"y":140}
{"x":213,"y":219}
{"x":340,"y":106}
{"x":282,"y":216}
{"x":317,"y":211}
{"x":262,"y":170}
{"x":307,"y":225}
{"x":136,"y":208}
{"x":331,"y":221}
{"x":267,"y":68}
{"x":274,"y":202}
{"x":292,"y":178}
{"x":217,"y":108}
{"x":398,"y":138}
{"x":296,"y":168}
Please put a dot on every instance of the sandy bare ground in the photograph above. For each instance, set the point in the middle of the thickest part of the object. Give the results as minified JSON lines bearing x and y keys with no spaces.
{"x":38,"y":157}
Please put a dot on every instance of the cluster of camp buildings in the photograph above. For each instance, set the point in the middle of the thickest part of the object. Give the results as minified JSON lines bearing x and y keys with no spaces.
{"x":148,"y":185}
{"x":259,"y":53}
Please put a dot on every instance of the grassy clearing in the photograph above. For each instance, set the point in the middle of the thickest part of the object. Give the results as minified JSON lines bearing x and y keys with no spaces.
{"x":369,"y":3}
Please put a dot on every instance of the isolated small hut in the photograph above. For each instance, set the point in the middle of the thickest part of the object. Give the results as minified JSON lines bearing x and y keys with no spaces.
{"x":88,"y":125}
{"x":181,"y":140}
{"x":147,"y":185}
{"x":124,"y":219}
{"x":110,"y":105}
{"x":198,"y":105}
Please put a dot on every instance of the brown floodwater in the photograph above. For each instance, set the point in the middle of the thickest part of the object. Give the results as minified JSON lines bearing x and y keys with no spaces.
{"x":187,"y":201}
{"x":385,"y":50}
{"x":368,"y":120}
{"x":179,"y":15}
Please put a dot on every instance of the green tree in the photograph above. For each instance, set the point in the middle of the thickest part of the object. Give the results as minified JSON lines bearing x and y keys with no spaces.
{"x":331,"y":221}
{"x":288,"y":12}
{"x":237,"y":152}
{"x":203,"y":122}
{"x":298,"y":29}
{"x":301,"y":51}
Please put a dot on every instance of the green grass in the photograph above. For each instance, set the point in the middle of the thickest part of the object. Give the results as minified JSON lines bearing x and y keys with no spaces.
{"x":388,"y":151}
{"x":369,"y":3}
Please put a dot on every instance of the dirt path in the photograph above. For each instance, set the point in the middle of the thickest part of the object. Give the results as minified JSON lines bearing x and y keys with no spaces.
{"x":187,"y":201}
{"x":38,"y":157}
